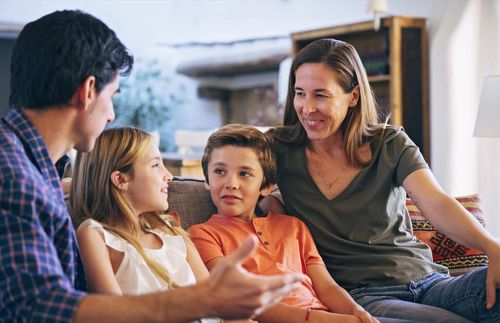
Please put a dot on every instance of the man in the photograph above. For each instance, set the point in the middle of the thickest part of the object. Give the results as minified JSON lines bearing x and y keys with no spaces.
{"x":64,"y":72}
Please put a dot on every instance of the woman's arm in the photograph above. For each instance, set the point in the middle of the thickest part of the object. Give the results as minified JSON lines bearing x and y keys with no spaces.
{"x":97,"y":262}
{"x":333,"y":296}
{"x":451,"y":218}
{"x":445,"y":213}
{"x":271,"y":203}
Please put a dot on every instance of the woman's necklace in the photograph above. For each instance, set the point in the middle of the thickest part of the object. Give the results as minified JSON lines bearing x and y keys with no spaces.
{"x":321,"y":174}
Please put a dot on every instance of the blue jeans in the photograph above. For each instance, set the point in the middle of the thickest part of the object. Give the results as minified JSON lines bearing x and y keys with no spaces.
{"x":437,"y":298}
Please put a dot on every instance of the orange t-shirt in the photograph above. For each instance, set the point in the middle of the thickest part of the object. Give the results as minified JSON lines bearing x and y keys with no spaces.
{"x":286,"y":245}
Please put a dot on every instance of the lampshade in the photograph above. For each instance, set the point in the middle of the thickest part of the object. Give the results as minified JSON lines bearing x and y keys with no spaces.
{"x":488,"y":115}
{"x":377,"y":7}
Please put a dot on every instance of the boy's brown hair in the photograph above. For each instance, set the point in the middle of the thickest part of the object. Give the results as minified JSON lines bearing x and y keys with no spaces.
{"x":240,"y":135}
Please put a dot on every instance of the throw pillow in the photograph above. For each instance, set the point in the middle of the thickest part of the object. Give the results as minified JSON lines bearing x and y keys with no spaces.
{"x":458,"y":258}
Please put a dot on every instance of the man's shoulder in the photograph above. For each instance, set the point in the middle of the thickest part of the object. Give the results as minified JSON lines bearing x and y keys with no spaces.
{"x":14,"y":163}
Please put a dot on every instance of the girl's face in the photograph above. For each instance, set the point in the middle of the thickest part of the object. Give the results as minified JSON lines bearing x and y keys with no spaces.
{"x":320,"y":102}
{"x":146,"y":187}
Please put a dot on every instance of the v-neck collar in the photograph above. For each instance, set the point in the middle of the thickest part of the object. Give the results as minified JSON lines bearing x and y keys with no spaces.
{"x":374,"y":147}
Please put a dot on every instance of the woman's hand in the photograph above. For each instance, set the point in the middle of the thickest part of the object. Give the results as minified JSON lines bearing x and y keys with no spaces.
{"x":493,"y":275}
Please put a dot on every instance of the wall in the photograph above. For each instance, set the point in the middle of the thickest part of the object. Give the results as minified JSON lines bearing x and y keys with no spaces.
{"x":464,"y":47}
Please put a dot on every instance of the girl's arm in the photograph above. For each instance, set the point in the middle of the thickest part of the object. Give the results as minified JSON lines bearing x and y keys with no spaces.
{"x":333,"y":296}
{"x":195,"y":262}
{"x":97,"y":262}
{"x":450,"y":217}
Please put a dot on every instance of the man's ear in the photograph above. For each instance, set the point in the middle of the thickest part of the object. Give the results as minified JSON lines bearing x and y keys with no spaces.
{"x":266,"y":190}
{"x":119,"y":180}
{"x":354,"y":96}
{"x":207,"y":186}
{"x":85,"y":93}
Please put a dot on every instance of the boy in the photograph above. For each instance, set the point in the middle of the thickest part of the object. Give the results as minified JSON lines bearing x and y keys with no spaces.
{"x":239,"y":168}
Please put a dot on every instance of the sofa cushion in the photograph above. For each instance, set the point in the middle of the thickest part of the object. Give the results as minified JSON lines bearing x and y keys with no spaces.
{"x":458,"y":258}
{"x":190,"y":199}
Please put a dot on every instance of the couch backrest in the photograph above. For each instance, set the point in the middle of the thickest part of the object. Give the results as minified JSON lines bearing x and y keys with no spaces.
{"x":190,"y":199}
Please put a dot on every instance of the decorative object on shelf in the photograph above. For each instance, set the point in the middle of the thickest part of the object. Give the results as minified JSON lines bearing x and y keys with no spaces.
{"x":377,"y":7}
{"x":488,"y":115}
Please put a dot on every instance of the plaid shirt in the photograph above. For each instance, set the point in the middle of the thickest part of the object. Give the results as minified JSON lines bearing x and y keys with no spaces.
{"x":40,"y":267}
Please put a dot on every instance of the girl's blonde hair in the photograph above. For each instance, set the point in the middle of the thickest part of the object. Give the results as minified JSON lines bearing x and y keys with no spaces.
{"x":94,"y":196}
{"x":361,"y":122}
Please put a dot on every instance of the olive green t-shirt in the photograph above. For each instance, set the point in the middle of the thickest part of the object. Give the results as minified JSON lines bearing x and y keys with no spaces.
{"x":364,"y":234}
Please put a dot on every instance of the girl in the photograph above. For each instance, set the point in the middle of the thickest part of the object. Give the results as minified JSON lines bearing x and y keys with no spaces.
{"x":127,"y":246}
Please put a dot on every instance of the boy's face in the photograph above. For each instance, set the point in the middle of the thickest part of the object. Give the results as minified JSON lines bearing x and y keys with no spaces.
{"x":235,"y":176}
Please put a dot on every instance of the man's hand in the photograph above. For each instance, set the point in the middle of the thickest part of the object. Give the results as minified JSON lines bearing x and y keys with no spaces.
{"x":234,"y":293}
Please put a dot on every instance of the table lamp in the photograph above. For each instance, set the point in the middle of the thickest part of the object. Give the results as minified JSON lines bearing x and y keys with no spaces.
{"x":377,"y":7}
{"x":488,"y":115}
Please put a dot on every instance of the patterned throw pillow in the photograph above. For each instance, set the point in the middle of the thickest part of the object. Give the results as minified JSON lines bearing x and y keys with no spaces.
{"x":458,"y":258}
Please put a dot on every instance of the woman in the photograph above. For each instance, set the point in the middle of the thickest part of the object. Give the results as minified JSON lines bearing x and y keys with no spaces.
{"x":347,"y":176}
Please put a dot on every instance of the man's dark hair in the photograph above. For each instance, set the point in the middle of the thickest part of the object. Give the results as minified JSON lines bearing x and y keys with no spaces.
{"x":56,"y":53}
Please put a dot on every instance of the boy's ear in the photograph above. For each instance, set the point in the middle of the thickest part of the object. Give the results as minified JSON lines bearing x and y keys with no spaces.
{"x":85,"y":93}
{"x":266,"y":190}
{"x":120,"y":180}
{"x":207,"y":186}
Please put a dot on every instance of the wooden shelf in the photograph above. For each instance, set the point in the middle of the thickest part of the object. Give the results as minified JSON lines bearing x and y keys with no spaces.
{"x":379,"y":78}
{"x":396,"y":60}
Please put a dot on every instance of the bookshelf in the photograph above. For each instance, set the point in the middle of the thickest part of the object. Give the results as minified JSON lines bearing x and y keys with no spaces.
{"x":396,"y":61}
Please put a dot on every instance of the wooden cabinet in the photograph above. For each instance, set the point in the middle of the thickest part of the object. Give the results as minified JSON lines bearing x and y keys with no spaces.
{"x":396,"y":60}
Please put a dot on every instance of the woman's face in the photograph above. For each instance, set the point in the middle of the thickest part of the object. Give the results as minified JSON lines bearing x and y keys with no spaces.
{"x":320,"y":102}
{"x":147,"y":185}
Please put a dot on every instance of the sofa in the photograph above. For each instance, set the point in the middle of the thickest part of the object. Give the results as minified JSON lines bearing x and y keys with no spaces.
{"x":191,"y":202}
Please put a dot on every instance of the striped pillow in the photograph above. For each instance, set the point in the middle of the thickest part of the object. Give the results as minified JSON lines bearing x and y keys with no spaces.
{"x":458,"y":258}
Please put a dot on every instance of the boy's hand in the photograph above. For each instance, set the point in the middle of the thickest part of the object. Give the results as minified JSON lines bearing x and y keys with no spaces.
{"x":363,"y":315}
{"x":319,"y":316}
{"x":236,"y":293}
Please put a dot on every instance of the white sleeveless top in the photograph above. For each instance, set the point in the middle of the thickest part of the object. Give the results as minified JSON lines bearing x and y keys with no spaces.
{"x":134,"y":276}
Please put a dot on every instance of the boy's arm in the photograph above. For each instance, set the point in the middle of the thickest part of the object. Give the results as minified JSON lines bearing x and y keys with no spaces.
{"x":333,"y":296}
{"x":287,"y":313}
